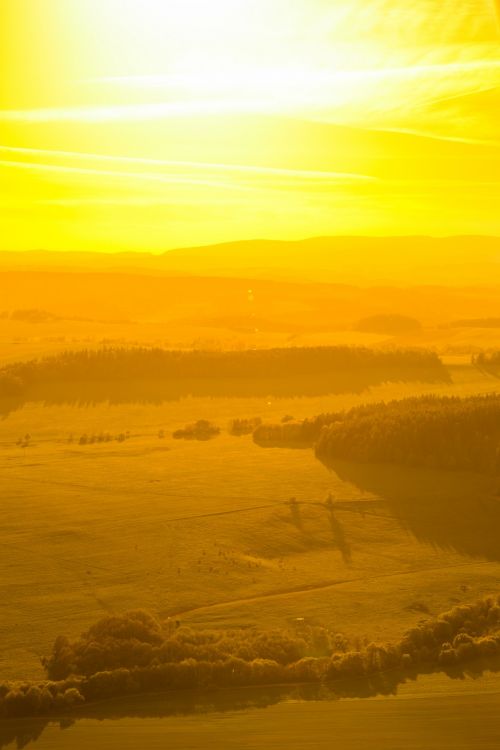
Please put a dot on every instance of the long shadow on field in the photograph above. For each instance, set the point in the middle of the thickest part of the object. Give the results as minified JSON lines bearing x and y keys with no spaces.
{"x":23,"y":732}
{"x":339,"y":536}
{"x":452,"y":510}
{"x":125,"y":391}
{"x":295,"y":515}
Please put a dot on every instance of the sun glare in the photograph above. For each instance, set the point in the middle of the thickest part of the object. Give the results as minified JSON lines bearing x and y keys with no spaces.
{"x":205,"y":49}
{"x":153,"y":36}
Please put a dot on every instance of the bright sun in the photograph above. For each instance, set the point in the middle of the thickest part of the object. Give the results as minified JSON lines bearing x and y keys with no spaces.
{"x":154,"y":35}
{"x":223,"y":48}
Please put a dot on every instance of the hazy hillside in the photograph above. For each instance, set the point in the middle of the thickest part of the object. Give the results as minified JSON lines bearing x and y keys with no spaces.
{"x":293,"y":305}
{"x":349,"y":260}
{"x":360,"y":260}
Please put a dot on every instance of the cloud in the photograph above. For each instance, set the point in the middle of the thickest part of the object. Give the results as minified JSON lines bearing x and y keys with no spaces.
{"x":231,"y":169}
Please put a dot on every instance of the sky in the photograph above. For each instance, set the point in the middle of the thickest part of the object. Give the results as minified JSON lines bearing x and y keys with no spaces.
{"x":151,"y":124}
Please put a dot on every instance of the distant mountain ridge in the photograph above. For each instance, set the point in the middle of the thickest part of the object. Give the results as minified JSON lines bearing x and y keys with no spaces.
{"x":461,"y":260}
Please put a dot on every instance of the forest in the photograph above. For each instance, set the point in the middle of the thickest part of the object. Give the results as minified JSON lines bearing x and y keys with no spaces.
{"x":137,"y":653}
{"x":118,"y":364}
{"x":429,"y":431}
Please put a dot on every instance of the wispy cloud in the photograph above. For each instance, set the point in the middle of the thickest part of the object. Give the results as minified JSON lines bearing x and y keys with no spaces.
{"x":233,"y":169}
{"x":174,"y":180}
{"x":390,"y":96}
{"x":127,"y":112}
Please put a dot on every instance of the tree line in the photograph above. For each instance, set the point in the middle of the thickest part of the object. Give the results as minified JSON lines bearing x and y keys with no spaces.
{"x":123,"y":364}
{"x":136,"y":652}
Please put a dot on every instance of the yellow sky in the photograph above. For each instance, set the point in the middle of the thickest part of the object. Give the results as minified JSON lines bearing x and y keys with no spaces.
{"x":148,"y":124}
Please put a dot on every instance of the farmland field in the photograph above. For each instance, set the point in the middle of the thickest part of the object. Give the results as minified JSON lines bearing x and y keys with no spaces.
{"x":203,"y":532}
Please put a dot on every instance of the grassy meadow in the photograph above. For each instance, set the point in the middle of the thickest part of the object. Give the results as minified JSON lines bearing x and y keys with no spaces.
{"x":203,"y":531}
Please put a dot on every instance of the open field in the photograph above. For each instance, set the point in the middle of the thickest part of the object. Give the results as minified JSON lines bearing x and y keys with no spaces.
{"x":203,"y":531}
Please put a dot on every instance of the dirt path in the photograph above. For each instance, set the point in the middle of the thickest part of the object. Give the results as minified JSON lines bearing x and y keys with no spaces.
{"x":323,"y":585}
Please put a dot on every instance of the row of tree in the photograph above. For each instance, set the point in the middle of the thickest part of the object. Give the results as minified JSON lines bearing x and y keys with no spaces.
{"x":202,"y":429}
{"x":302,"y":432}
{"x":100,"y":437}
{"x":136,"y":652}
{"x":244,"y":426}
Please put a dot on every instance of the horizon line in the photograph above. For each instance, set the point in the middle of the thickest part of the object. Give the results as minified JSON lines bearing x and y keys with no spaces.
{"x":310,"y":238}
